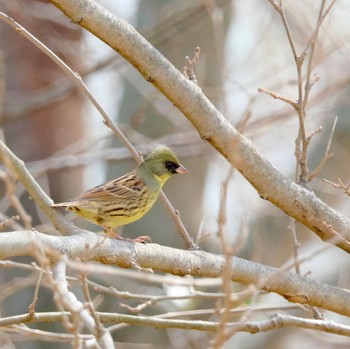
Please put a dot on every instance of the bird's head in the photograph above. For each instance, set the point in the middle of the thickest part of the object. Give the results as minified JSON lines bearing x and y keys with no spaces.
{"x":162,"y":164}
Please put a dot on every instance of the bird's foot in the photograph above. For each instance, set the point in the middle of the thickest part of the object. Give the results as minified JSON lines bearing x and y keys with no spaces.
{"x":140,"y":239}
{"x":144,"y":239}
{"x":113,"y":235}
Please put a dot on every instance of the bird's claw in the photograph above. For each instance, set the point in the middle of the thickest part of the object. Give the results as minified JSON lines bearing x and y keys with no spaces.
{"x":141,"y":239}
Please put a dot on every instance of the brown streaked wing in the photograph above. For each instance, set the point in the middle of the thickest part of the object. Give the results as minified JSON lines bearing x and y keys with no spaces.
{"x":125,"y":187}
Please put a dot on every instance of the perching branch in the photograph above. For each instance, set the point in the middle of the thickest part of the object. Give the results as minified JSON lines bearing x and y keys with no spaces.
{"x":293,"y":287}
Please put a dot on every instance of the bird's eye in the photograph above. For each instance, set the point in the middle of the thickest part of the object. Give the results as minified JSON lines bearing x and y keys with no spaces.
{"x":171,"y":166}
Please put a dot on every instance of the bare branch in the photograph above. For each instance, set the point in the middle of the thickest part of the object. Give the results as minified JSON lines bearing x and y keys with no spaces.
{"x":189,"y":68}
{"x":10,"y":222}
{"x":276,"y":321}
{"x":341,"y":185}
{"x":277,"y":96}
{"x":294,"y":287}
{"x":74,"y":306}
{"x":327,"y":155}
{"x":31,"y":308}
{"x":9,"y":181}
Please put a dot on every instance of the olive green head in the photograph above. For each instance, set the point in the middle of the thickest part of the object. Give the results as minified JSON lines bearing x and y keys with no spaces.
{"x":162,"y":164}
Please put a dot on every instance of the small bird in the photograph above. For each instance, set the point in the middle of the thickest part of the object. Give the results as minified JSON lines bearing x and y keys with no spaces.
{"x":127,"y":198}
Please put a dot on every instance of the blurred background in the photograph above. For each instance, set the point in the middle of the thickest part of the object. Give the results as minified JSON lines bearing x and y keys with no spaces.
{"x":50,"y":125}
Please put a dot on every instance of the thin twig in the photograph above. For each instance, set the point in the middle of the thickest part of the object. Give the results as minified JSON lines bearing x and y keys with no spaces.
{"x":189,"y":68}
{"x":9,"y":222}
{"x":296,"y":244}
{"x":277,"y":96}
{"x":10,"y":184}
{"x":46,"y":335}
{"x":326,"y":155}
{"x":31,"y":308}
{"x":227,"y":250}
{"x":312,"y":42}
{"x":85,"y":287}
{"x":341,"y":185}
{"x":277,"y":321}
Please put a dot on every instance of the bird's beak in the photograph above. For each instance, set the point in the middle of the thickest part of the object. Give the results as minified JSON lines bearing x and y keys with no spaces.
{"x":181,"y":170}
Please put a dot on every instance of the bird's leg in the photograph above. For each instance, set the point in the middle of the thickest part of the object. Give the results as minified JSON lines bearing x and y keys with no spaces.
{"x":141,"y":239}
{"x":113,"y":235}
{"x":110,"y":233}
